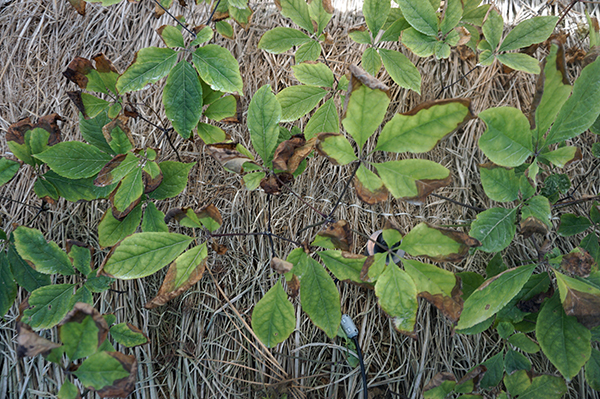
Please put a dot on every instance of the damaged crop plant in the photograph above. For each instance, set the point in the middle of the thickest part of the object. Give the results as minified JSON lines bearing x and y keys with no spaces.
{"x":546,"y":307}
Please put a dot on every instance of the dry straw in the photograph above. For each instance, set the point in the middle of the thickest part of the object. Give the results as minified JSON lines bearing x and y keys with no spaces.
{"x":201,"y":344}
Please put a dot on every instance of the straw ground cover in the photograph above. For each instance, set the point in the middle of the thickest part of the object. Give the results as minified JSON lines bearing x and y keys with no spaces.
{"x":199,"y":345}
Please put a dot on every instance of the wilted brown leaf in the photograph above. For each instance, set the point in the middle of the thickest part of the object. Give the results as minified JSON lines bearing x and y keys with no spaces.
{"x":293,"y":286}
{"x":533,"y":225}
{"x":591,"y":56}
{"x":176,"y":213}
{"x":476,"y":375}
{"x":78,"y":70}
{"x":30,"y":344}
{"x":237,"y":118}
{"x":465,"y":53}
{"x":290,"y":153}
{"x":438,"y":380}
{"x":463,"y":34}
{"x":172,"y":287}
{"x":578,"y":262}
{"x":228,"y":156}
{"x":281,"y":266}
{"x":327,"y":6}
{"x":75,"y":97}
{"x":272,"y":184}
{"x":534,"y":304}
{"x":79,"y":312}
{"x":79,"y":6}
{"x":105,"y":176}
{"x":123,"y":387}
{"x":220,"y":16}
{"x":426,"y":187}
{"x":103,"y":64}
{"x":450,"y":306}
{"x":151,"y":184}
{"x":210,"y":211}
{"x":220,"y":249}
{"x":339,"y":233}
{"x":16,"y":131}
{"x":584,"y":306}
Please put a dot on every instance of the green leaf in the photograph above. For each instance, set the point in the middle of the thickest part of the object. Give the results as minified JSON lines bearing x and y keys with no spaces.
{"x":365,"y":111}
{"x":218,"y":68}
{"x":8,"y":169}
{"x":78,"y":189}
{"x":564,"y":341}
{"x":524,"y":343}
{"x":143,"y":254}
{"x":420,"y":44}
{"x":100,"y":370}
{"x":495,"y":371}
{"x":80,"y":338}
{"x":111,"y":230}
{"x":571,"y":224}
{"x":48,"y":305}
{"x":320,"y":14}
{"x":452,"y":16}
{"x":514,"y":361}
{"x":273,"y":318}
{"x":545,"y":386}
{"x":422,"y":128}
{"x":252,"y":180}
{"x":337,"y":148}
{"x":130,"y":189}
{"x":297,"y":101}
{"x":371,"y":61}
{"x":45,"y":256}
{"x":581,"y":110}
{"x":74,"y":160}
{"x":507,"y":139}
{"x":81,"y":258}
{"x":369,"y":186}
{"x":319,"y":296}
{"x":345,"y":266}
{"x":8,"y":287}
{"x":297,"y":11}
{"x":182,"y":98}
{"x":225,"y":29}
{"x":401,"y":70}
{"x":203,"y":36}
{"x":128,"y":335}
{"x":281,"y":39}
{"x":44,"y":188}
{"x":225,"y":107}
{"x":211,"y":134}
{"x":324,"y":120}
{"x":93,"y":105}
{"x":175,"y":178}
{"x":500,"y":184}
{"x":397,"y":296}
{"x":494,"y":228}
{"x":154,"y":220}
{"x":360,"y":35}
{"x":420,"y":15}
{"x":530,"y":31}
{"x":412,"y":178}
{"x":314,"y":74}
{"x":25,"y":275}
{"x":68,"y":391}
{"x":309,"y":51}
{"x":392,"y":33}
{"x":434,"y":243}
{"x":562,"y":156}
{"x":376,"y":13}
{"x":520,"y":62}
{"x":592,"y":370}
{"x":493,"y":294}
{"x":149,"y":65}
{"x":264,"y":114}
{"x":492,"y":29}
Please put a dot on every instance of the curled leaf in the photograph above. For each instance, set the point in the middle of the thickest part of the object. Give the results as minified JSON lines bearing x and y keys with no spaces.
{"x":228,"y":156}
{"x":272,"y":184}
{"x":30,"y":344}
{"x":290,"y":153}
{"x":16,"y":131}
{"x":339,"y":234}
{"x":533,"y":225}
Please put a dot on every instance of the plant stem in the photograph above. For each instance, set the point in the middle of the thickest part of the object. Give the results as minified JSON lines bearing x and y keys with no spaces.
{"x":577,"y":201}
{"x":213,"y":12}
{"x":270,"y":235}
{"x":260,"y":233}
{"x":475,"y":208}
{"x":337,"y":202}
{"x":455,"y":82}
{"x":176,"y":20}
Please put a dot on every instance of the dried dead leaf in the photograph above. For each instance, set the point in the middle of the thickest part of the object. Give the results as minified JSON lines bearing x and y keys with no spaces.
{"x":339,"y":233}
{"x":533,"y":225}
{"x":30,"y":344}
{"x":170,"y":287}
{"x":281,"y":266}
{"x":578,"y":262}
{"x":228,"y":156}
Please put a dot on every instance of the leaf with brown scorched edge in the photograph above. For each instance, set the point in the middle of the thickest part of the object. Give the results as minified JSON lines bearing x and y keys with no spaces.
{"x":442,"y":245}
{"x":493,"y":295}
{"x":439,"y":386}
{"x":110,"y":374}
{"x":373,"y":267}
{"x":281,"y":266}
{"x":420,"y":129}
{"x":30,"y":344}
{"x":369,"y":187}
{"x":579,"y":299}
{"x":437,"y":286}
{"x":412,"y":180}
{"x":209,"y":217}
{"x":79,"y":6}
{"x":143,"y":254}
{"x":82,"y":331}
{"x":184,"y":272}
{"x":129,"y":191}
{"x":336,"y":148}
{"x":151,"y":183}
{"x":365,"y":105}
{"x":397,"y":296}
{"x":228,"y":156}
{"x":337,"y":235}
{"x":108,"y":72}
{"x":563,"y":156}
{"x":118,"y":135}
{"x":128,"y":335}
{"x":345,"y":266}
{"x":81,"y":72}
{"x":290,"y":153}
{"x":272,"y":184}
{"x":120,"y":215}
{"x":533,"y":225}
{"x":116,"y":169}
{"x":16,"y":131}
{"x":578,"y":262}
{"x":242,"y":17}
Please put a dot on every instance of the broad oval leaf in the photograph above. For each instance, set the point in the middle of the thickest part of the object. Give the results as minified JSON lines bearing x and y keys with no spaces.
{"x":442,"y":245}
{"x":309,"y":51}
{"x":324,"y":120}
{"x":376,"y":13}
{"x":369,"y":187}
{"x":494,"y":228}
{"x":8,"y":293}
{"x":273,"y":318}
{"x":520,"y":62}
{"x":420,"y":44}
{"x":8,"y":169}
{"x":564,"y":341}
{"x":579,"y":299}
{"x":108,"y":373}
{"x":175,"y":177}
{"x":264,"y":114}
{"x":297,"y":11}
{"x":420,"y":15}
{"x":25,"y":275}
{"x":74,"y":159}
{"x":500,"y":184}
{"x":171,"y":36}
{"x":111,"y":230}
{"x":128,"y":335}
{"x":492,"y":29}
{"x":413,"y":179}
{"x":281,"y":39}
{"x":492,"y":295}
{"x":297,"y":101}
{"x":420,"y":129}
{"x":530,"y":31}
{"x":149,"y":66}
{"x":143,"y":254}
{"x":182,"y":98}
{"x":218,"y":68}
{"x":48,"y":305}
{"x":371,"y":61}
{"x":46,"y":257}
{"x":401,"y":70}
{"x":507,"y":139}
{"x":154,"y":220}
{"x":397,"y":295}
{"x":336,"y":148}
{"x":314,"y":74}
{"x":345,"y":266}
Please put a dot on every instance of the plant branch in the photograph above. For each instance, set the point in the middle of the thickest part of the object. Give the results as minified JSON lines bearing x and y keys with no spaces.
{"x":269,"y":229}
{"x":577,"y":201}
{"x":212,"y":14}
{"x":475,"y":208}
{"x":176,"y":20}
{"x":300,"y":198}
{"x":337,"y":202}
{"x":260,"y":233}
{"x":455,"y":82}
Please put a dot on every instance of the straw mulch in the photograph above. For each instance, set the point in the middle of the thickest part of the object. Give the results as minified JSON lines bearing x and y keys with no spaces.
{"x":201,"y":346}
